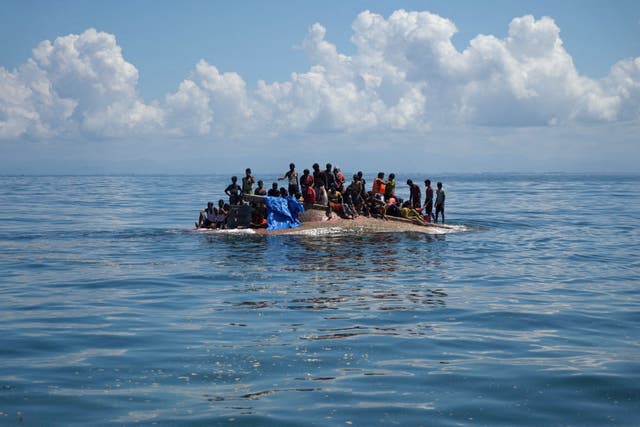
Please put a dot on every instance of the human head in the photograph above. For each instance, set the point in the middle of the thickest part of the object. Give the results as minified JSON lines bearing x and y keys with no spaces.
{"x":260,"y":183}
{"x":328,"y":166}
{"x":209,"y":204}
{"x":359,"y":174}
{"x":274,"y":185}
{"x":234,"y":179}
{"x":439,"y":184}
{"x":248,"y":171}
{"x":305,"y":172}
{"x":427,"y":182}
{"x":409,"y":182}
{"x":316,"y":166}
{"x":292,"y":166}
{"x":392,"y":176}
{"x":380,"y":175}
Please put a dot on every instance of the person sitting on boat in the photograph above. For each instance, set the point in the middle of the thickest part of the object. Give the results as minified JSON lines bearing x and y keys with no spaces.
{"x":392,"y":208}
{"x":273,"y":191}
{"x":247,"y":182}
{"x":410,"y":213}
{"x":223,"y":211}
{"x":258,"y":215}
{"x":348,"y":203}
{"x":414,"y":195}
{"x":372,"y":205}
{"x":260,"y":190}
{"x":292,"y":176}
{"x":223,"y":207}
{"x":390,"y":187}
{"x":207,"y":217}
{"x":378,"y":185}
{"x":283,"y":192}
{"x":233,"y":191}
{"x":220,"y":218}
{"x":336,"y":203}
{"x":339,"y":178}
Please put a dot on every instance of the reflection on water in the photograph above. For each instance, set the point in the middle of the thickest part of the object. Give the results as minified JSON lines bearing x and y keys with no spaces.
{"x":338,"y":272}
{"x":356,"y":255}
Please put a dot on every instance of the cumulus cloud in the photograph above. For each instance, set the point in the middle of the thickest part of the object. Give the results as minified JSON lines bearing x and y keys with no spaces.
{"x":405,"y":74}
{"x":209,"y":102}
{"x":77,"y":84}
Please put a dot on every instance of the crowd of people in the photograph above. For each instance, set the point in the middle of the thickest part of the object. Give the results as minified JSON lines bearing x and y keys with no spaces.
{"x":328,"y":188}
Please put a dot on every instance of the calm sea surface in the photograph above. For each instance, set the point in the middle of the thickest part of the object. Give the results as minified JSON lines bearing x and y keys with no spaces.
{"x":112,"y":312}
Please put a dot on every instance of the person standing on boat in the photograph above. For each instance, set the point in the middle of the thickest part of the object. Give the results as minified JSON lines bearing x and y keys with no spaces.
{"x":247,"y":182}
{"x":428,"y":201}
{"x":306,"y":180}
{"x":329,"y":177}
{"x":292,"y":176}
{"x":306,"y":184}
{"x":440,"y":196}
{"x":234,"y":190}
{"x":414,"y":195}
{"x":363,"y":183}
{"x":390,"y":187}
{"x":260,"y":190}
{"x":321,"y":196}
{"x":355,"y":191}
{"x":379,"y":186}
{"x":318,"y":178}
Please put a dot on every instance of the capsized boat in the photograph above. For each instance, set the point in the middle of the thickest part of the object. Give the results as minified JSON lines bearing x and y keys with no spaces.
{"x":319,"y":219}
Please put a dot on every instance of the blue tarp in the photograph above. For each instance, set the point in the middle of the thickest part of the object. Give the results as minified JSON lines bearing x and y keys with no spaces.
{"x":282,"y":213}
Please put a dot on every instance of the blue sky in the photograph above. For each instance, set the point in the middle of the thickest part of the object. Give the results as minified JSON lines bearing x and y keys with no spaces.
{"x":160,"y":86}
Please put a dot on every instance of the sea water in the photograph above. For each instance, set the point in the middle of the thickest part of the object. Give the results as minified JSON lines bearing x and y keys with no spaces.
{"x":114,"y":312}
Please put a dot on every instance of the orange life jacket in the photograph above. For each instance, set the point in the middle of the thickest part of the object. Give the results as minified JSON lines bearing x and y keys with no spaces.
{"x":378,"y":186}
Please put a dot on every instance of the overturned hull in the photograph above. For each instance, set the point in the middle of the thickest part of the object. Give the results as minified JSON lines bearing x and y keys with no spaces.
{"x":318,"y":220}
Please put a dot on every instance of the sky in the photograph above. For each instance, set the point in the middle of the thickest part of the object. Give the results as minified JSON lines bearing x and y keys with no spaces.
{"x":143,"y":86}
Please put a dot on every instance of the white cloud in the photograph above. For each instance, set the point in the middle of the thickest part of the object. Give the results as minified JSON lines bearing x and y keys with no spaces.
{"x":623,"y":86}
{"x":405,"y":74}
{"x":209,"y":102}
{"x":78,"y":83}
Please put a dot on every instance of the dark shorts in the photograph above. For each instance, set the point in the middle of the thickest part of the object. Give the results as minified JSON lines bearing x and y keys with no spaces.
{"x":428,"y":208}
{"x":293,"y":189}
{"x":439,"y":208}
